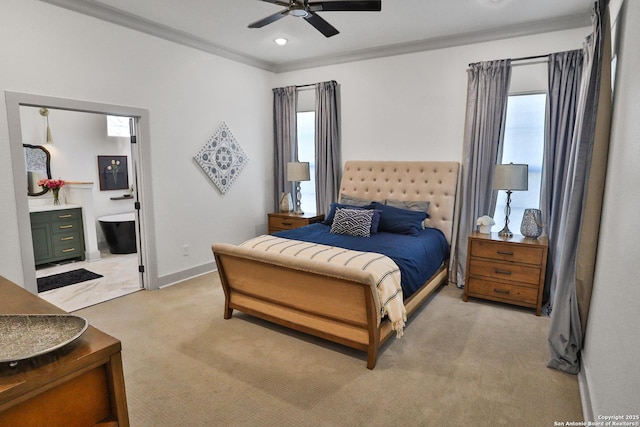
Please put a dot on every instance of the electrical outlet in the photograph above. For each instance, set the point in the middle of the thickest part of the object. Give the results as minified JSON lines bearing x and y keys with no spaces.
{"x":185,"y":250}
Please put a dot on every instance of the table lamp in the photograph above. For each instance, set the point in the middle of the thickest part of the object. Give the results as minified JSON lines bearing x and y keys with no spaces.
{"x":510,"y":177}
{"x":296,"y":172}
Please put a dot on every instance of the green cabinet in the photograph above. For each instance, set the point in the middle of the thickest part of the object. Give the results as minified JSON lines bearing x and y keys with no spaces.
{"x":57,"y":235}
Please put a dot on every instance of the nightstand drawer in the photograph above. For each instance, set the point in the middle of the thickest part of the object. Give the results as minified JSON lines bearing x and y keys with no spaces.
{"x":287,"y":223}
{"x":505,"y":271}
{"x":505,"y":252}
{"x":502,"y":291}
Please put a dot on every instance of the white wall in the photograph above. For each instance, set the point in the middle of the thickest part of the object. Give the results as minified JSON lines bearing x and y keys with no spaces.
{"x":50,"y":51}
{"x":412,"y":106}
{"x":611,"y":367}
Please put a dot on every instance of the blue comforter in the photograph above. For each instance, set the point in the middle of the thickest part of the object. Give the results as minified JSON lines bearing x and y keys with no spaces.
{"x":418,"y":257}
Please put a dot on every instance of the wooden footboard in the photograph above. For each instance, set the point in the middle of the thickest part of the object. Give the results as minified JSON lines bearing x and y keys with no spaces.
{"x":321,"y":299}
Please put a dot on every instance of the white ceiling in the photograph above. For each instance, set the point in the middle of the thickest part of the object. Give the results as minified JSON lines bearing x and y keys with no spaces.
{"x":403,"y":26}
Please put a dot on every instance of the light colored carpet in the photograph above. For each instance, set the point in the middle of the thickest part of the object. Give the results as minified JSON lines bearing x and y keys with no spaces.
{"x":458,"y":364}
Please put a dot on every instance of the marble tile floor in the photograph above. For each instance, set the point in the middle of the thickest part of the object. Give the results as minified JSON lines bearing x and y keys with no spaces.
{"x":120,"y":277}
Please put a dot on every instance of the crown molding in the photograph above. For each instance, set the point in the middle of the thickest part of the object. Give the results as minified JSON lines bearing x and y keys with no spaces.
{"x":526,"y":29}
{"x":134,"y":22}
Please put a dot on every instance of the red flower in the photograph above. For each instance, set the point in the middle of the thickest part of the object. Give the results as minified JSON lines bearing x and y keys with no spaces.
{"x":51,"y":183}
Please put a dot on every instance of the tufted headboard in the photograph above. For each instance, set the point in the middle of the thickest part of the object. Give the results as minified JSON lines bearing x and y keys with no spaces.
{"x":433,"y":181}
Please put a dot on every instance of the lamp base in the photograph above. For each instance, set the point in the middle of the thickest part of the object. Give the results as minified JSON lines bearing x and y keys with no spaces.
{"x":505,"y":232}
{"x":298,"y":209}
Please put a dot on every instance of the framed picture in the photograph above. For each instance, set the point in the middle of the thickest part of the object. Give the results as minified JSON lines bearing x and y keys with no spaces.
{"x":113,"y":173}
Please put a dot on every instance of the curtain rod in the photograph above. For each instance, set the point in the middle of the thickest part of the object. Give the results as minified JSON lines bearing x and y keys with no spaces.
{"x":524,"y":58}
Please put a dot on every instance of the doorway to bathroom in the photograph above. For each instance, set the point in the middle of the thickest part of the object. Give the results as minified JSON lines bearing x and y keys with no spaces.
{"x":75,"y":159}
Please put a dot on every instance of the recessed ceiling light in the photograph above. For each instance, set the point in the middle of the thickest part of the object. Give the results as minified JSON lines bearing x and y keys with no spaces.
{"x":281,"y":41}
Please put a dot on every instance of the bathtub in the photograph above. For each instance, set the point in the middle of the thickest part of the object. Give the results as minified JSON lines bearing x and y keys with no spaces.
{"x":120,"y":232}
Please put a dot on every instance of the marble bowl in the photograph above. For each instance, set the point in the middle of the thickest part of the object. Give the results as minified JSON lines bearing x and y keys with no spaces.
{"x":23,"y":336}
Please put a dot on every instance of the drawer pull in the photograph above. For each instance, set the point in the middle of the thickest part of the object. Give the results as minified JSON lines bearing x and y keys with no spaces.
{"x":500,"y":291}
{"x":507,"y":272}
{"x":287,"y":223}
{"x":64,"y":239}
{"x":62,"y":227}
{"x":69,"y":250}
{"x":64,"y":216}
{"x":505,"y":253}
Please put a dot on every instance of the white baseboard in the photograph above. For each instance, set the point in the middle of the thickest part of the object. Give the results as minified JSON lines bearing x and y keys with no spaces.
{"x":181,"y":276}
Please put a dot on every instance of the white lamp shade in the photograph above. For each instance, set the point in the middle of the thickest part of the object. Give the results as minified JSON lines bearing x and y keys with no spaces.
{"x":298,"y":171}
{"x":511,"y":177}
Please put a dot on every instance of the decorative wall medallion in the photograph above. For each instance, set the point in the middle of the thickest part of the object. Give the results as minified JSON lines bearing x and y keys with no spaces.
{"x":222,"y":158}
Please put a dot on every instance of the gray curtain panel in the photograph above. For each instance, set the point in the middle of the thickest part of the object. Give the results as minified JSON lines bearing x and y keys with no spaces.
{"x":564,"y":75}
{"x":327,"y":144}
{"x":285,"y":138}
{"x":580,"y":218}
{"x":487,"y":95}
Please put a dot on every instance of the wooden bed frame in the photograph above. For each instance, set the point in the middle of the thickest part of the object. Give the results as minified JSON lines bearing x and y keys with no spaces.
{"x":331,"y":301}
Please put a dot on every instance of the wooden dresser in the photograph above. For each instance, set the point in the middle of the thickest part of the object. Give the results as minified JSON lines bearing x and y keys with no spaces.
{"x":280,"y":221}
{"x":80,"y":384}
{"x":506,"y":270}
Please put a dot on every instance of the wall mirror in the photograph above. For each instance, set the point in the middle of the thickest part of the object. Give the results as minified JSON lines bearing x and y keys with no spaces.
{"x":38,"y":162}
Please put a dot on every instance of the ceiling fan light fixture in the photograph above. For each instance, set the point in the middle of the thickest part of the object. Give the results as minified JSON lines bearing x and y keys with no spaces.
{"x":299,"y":12}
{"x":280,"y":41}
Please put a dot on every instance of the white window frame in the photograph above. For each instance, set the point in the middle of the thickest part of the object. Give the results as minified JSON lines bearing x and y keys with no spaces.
{"x":307,"y":154}
{"x":521,"y":200}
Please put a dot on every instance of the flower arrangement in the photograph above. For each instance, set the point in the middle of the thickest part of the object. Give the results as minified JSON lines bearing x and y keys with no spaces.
{"x":51,"y":183}
{"x":485,"y":222}
{"x":54,"y":185}
{"x":113,"y":168}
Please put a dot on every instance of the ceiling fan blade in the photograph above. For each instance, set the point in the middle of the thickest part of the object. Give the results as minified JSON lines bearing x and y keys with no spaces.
{"x":278,"y":2}
{"x":346,"y":6}
{"x":269,"y":19}
{"x":320,"y":24}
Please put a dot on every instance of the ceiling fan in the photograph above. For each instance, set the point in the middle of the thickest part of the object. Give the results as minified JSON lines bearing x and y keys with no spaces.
{"x":307,"y":10}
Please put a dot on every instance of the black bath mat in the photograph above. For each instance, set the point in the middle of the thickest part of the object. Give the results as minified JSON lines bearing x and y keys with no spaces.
{"x":60,"y":280}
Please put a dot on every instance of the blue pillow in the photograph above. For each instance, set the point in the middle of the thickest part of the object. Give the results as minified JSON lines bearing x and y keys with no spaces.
{"x":399,"y":221}
{"x":375,"y":221}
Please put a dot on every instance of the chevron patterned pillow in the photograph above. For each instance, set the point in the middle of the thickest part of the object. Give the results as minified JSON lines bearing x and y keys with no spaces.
{"x":352,"y":222}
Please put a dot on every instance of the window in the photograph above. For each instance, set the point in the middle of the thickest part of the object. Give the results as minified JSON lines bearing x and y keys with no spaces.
{"x":307,"y":153}
{"x":118,"y":126}
{"x":523,"y":143}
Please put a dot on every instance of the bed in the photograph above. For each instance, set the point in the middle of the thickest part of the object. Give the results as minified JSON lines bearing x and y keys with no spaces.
{"x":329,"y":299}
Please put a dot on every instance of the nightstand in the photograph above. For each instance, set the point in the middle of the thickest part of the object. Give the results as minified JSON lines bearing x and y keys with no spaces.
{"x":506,"y":270}
{"x":280,"y":221}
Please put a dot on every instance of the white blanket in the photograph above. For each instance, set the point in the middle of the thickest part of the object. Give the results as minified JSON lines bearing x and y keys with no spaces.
{"x":385,"y":272}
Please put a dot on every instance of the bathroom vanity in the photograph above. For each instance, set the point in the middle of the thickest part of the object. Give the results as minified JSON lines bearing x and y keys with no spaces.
{"x":57,"y":233}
